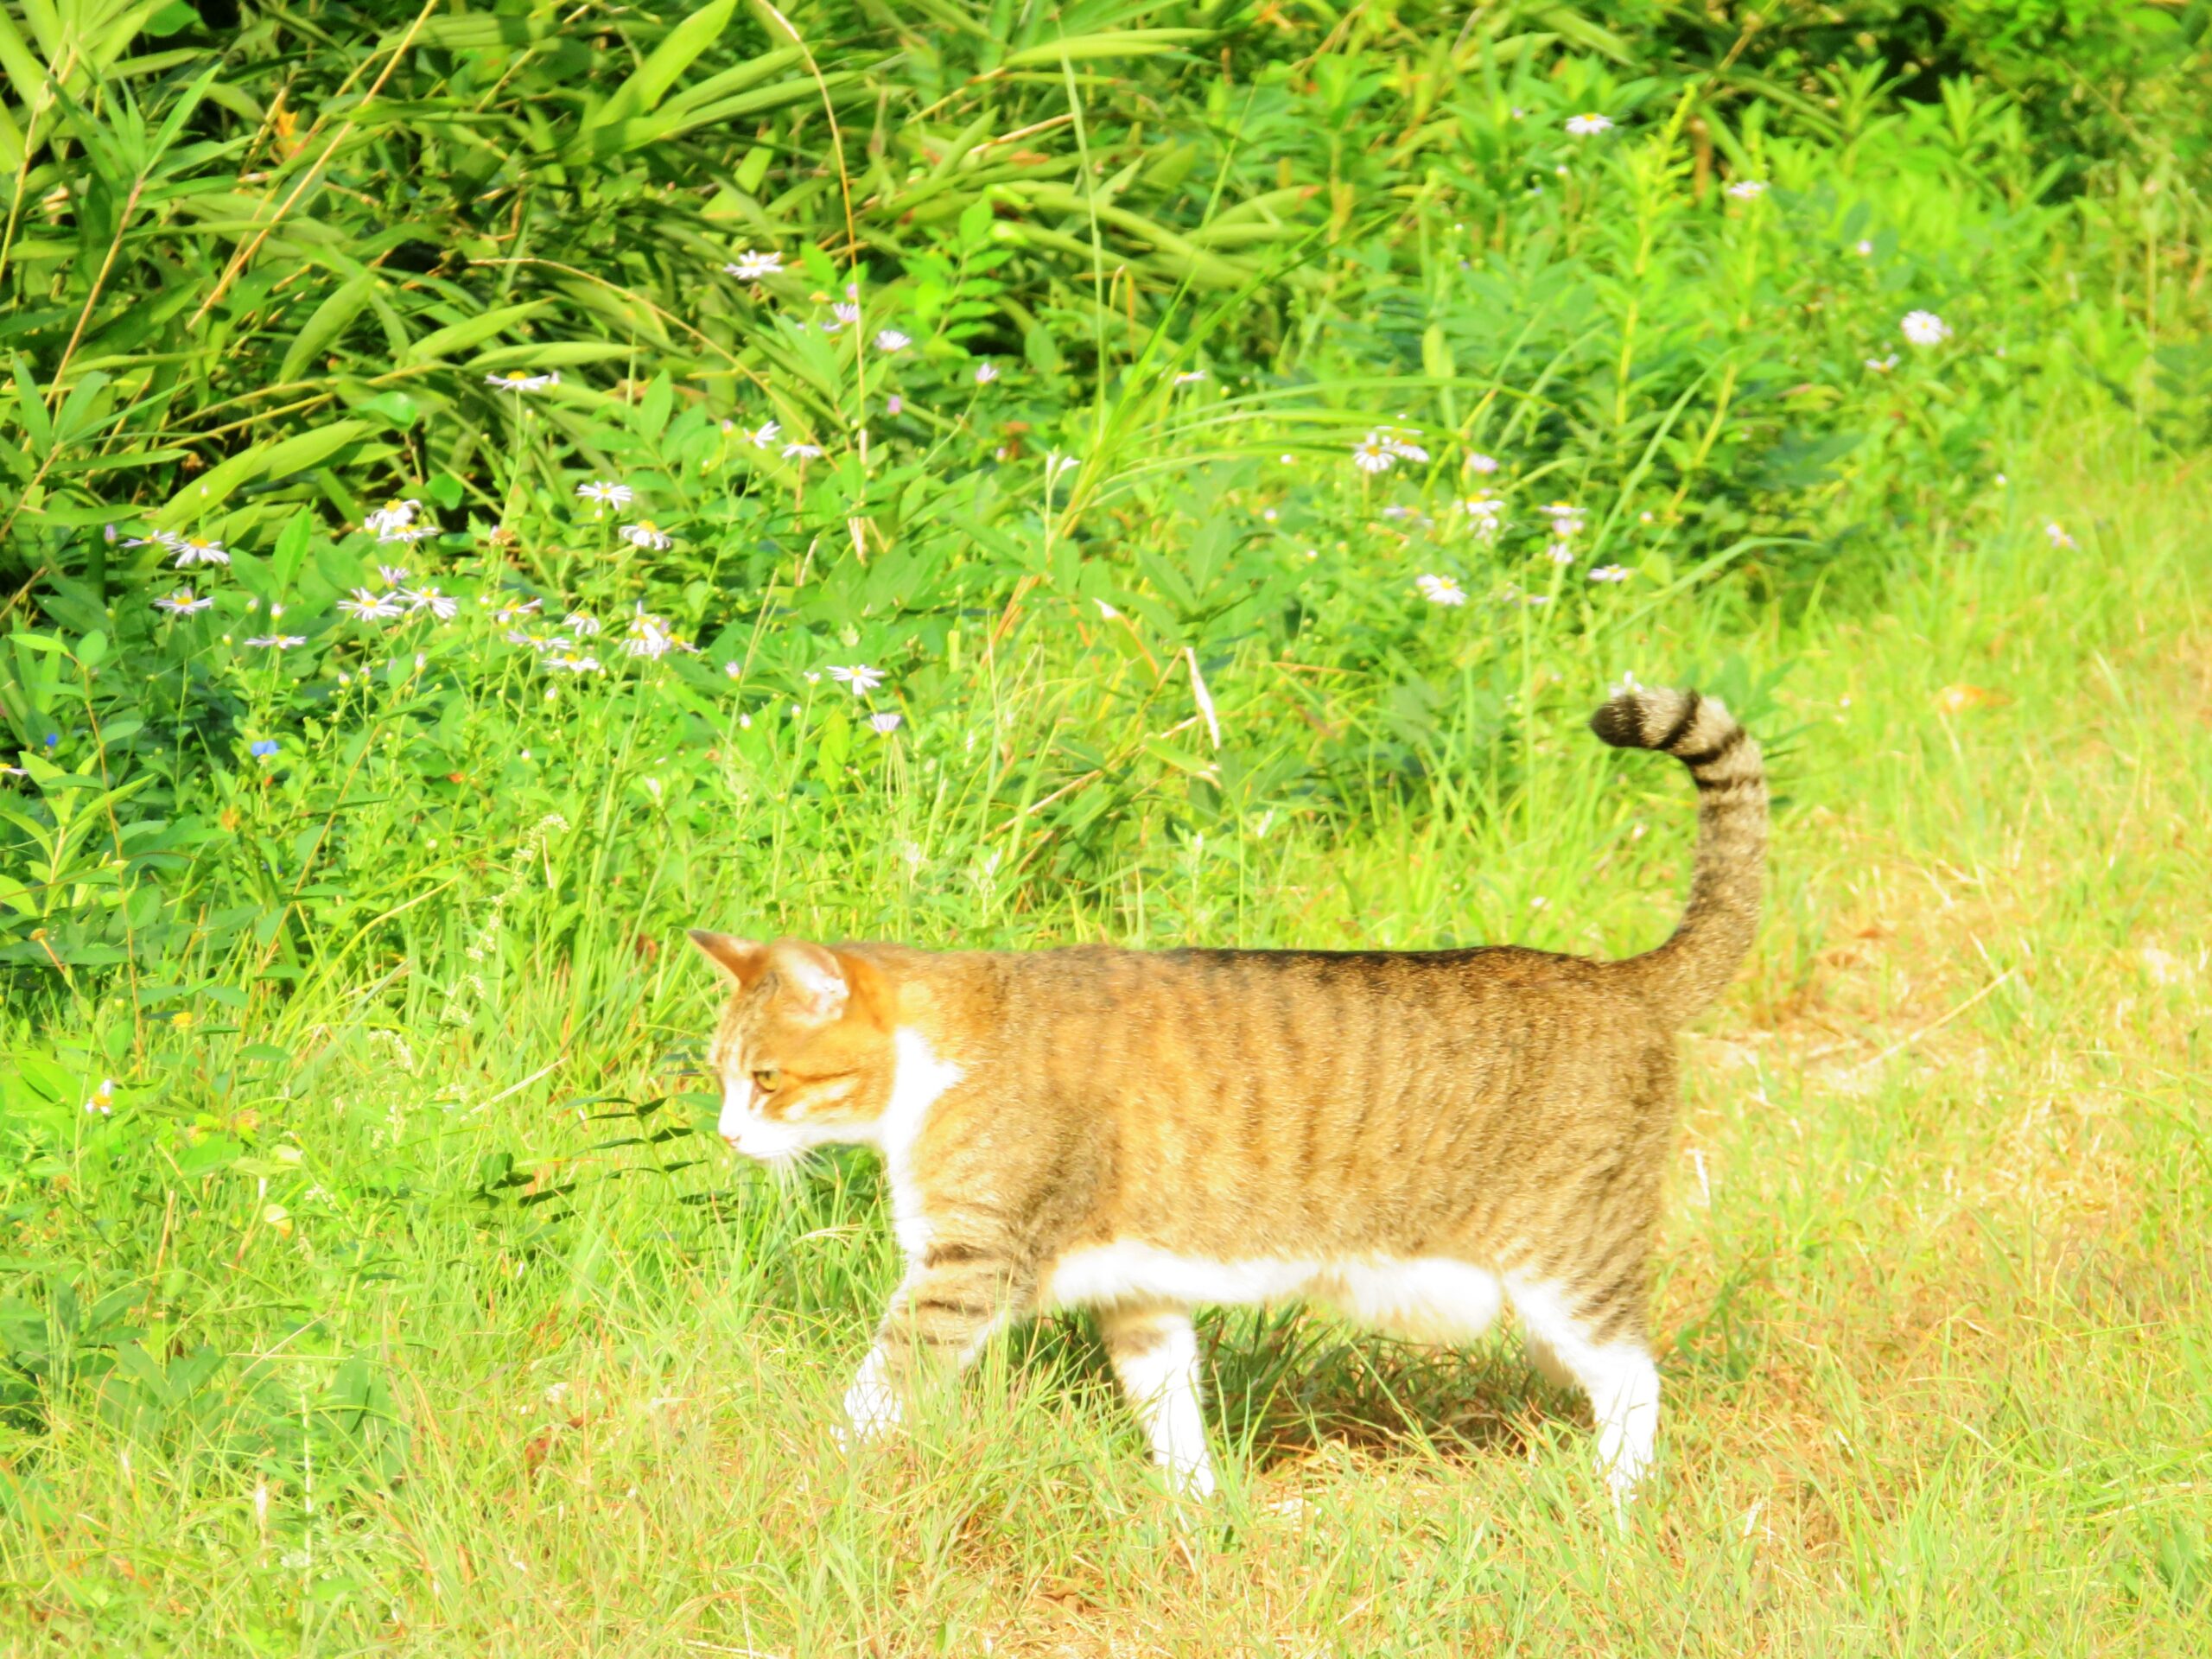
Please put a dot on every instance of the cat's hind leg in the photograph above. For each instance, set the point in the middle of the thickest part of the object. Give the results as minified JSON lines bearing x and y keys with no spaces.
{"x":1155,"y":1353}
{"x":1598,"y":1344}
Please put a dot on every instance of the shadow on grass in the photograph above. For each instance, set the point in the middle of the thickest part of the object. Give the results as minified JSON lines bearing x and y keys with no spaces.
{"x":1287,"y":1383}
{"x":1284,"y":1383}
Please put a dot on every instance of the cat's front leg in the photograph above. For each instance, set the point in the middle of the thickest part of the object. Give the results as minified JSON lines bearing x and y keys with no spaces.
{"x":873,"y":1406}
{"x":949,"y":1306}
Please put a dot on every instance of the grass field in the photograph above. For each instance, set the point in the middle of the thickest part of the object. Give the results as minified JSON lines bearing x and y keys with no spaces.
{"x":1932,"y":1316}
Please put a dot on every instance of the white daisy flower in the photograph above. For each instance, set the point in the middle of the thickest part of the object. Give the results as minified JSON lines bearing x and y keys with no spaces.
{"x":649,"y":637}
{"x":1559,"y":553}
{"x":885,"y":722}
{"x":734,"y":670}
{"x":1441,"y":590}
{"x":1864,"y":248}
{"x":986,"y":372}
{"x":277,"y":641}
{"x":1190,"y":376}
{"x":2056,"y":532}
{"x":1566,"y":517}
{"x":197,"y":549}
{"x":1372,"y":454}
{"x":366,"y":606}
{"x":1882,"y":365}
{"x":1609,"y":573}
{"x":802,"y":452}
{"x":1747,"y":189}
{"x":646,"y":534}
{"x":1483,"y":464}
{"x":568,"y":662}
{"x":1584,"y":126}
{"x":513,"y":612}
{"x":763,"y":434}
{"x":751,"y":267}
{"x":845,"y":311}
{"x":443,"y":606}
{"x":393,"y":515}
{"x":182,"y":603}
{"x":1485,"y":513}
{"x":1402,"y":445}
{"x":1924,"y":328}
{"x":395,"y":576}
{"x":522,"y":381}
{"x":577,"y":623}
{"x":1626,"y":683}
{"x":860,"y":679}
{"x":890,"y":340}
{"x":604,"y":493}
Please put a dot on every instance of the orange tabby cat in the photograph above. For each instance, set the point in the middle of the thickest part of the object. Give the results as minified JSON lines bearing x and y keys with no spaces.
{"x":1416,"y":1137}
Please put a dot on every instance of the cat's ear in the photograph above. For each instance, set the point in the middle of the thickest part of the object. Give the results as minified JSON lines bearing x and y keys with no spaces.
{"x":743,"y":960}
{"x":813,"y":976}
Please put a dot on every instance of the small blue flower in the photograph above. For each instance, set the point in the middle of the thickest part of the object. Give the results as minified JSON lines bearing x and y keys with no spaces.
{"x":262,"y":748}
{"x":53,"y":739}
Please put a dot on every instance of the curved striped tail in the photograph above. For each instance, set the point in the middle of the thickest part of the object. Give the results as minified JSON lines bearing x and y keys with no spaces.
{"x":1687,"y":973}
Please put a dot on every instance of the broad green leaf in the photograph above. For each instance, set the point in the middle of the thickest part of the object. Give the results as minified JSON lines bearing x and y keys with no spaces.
{"x":277,"y":456}
{"x":328,"y":321}
{"x":460,"y":336}
{"x":554,"y":354}
{"x":311,"y":449}
{"x":473,"y":31}
{"x":1117,"y":43}
{"x":678,"y":49}
{"x":292,"y":549}
{"x":599,"y":142}
{"x":30,"y":410}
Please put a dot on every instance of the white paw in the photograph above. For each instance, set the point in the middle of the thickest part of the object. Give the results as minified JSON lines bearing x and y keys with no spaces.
{"x":872,"y":1406}
{"x":1190,"y":1478}
{"x":1624,"y":1482}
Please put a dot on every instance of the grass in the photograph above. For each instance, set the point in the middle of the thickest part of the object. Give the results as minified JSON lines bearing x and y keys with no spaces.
{"x":1932,"y":1305}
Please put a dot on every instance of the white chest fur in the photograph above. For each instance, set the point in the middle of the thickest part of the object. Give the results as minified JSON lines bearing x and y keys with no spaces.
{"x":921,"y":1078}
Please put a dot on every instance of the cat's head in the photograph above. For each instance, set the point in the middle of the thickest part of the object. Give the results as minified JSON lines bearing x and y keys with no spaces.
{"x":804,"y":1051}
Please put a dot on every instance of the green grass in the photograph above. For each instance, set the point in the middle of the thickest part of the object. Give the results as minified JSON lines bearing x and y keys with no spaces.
{"x":1936,"y":1355}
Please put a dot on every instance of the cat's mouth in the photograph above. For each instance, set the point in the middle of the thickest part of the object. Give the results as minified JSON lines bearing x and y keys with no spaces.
{"x":777,"y":1151}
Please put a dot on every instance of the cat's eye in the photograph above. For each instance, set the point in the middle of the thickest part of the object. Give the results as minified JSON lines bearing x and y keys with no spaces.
{"x":766,"y":1078}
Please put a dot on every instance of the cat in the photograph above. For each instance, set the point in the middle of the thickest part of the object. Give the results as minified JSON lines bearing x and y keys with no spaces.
{"x":1416,"y":1137}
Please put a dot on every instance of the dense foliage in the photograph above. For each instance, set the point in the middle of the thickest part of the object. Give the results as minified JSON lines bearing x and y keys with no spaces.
{"x":828,"y":294}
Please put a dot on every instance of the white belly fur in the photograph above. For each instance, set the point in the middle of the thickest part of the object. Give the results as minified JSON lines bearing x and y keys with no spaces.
{"x":1431,"y":1297}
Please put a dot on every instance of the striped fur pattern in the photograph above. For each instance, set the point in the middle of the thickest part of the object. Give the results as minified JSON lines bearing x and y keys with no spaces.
{"x":1416,"y":1138}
